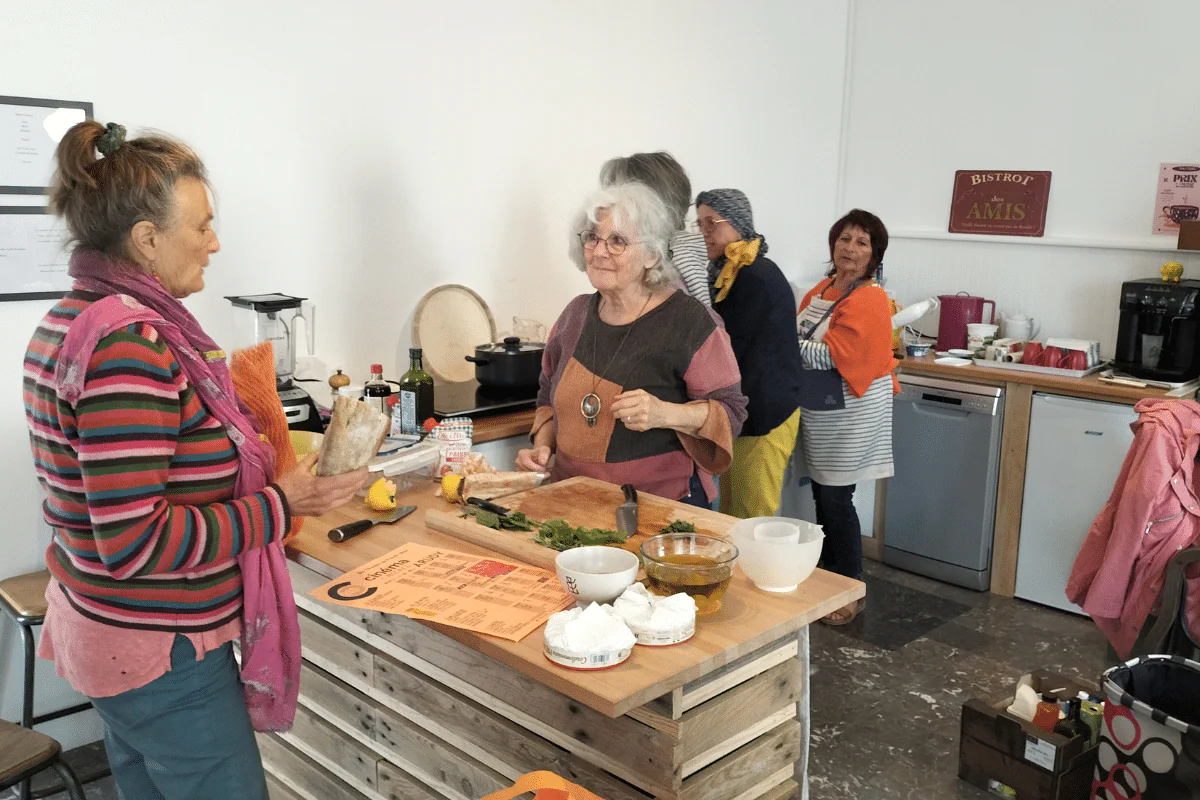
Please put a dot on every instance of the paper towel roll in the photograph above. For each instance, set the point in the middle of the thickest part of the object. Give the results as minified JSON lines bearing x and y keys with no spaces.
{"x":910,"y":314}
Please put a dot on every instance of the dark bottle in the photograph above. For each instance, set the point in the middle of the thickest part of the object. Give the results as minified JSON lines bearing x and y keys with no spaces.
{"x":416,"y":395}
{"x":1073,"y":725}
{"x":376,"y":390}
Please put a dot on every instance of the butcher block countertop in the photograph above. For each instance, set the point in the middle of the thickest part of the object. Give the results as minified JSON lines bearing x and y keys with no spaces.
{"x":1090,"y":387}
{"x":502,"y":426}
{"x":748,"y":619}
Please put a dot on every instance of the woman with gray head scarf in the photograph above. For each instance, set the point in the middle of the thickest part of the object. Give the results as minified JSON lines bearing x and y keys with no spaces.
{"x":754,"y":299}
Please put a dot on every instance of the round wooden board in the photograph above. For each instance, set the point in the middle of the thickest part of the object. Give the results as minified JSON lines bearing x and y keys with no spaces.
{"x":451,"y":321}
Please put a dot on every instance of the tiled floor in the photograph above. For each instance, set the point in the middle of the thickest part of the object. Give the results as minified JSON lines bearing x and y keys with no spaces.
{"x":887,"y":690}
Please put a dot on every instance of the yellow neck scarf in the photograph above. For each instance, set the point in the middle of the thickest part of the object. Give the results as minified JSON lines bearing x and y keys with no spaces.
{"x":737,"y":255}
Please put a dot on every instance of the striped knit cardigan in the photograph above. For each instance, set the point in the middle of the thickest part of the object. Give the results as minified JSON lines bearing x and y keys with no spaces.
{"x":139,"y":478}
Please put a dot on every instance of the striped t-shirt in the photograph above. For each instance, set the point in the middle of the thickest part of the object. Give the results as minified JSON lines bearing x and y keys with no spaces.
{"x":690,"y":257}
{"x":139,"y":480}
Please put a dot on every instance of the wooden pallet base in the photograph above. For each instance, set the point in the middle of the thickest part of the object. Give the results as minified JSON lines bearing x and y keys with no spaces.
{"x":393,"y":709}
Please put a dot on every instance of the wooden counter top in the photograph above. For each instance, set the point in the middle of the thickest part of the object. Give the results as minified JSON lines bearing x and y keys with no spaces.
{"x":1090,"y":387}
{"x":502,"y":426}
{"x":749,"y":619}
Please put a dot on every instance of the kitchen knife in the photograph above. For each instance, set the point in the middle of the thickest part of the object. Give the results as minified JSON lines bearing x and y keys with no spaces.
{"x":488,"y":505}
{"x":627,"y":512}
{"x":351,"y":529}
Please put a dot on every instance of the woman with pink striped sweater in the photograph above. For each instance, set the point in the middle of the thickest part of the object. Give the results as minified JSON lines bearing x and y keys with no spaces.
{"x":158,"y":488}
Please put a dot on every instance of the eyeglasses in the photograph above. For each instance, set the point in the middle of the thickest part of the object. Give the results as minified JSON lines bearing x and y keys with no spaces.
{"x":708,"y":223}
{"x":615,"y":243}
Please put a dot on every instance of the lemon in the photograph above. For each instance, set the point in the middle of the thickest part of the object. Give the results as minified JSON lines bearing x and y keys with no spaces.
{"x":450,"y":488}
{"x":382,"y":495}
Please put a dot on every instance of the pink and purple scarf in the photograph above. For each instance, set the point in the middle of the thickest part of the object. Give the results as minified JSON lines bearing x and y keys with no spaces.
{"x":270,"y":644}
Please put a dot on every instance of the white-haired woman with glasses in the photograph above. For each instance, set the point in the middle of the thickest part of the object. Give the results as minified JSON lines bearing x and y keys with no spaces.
{"x":639,"y":382}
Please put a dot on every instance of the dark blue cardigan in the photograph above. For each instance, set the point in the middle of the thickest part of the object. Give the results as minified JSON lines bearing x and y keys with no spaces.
{"x":760,"y":317}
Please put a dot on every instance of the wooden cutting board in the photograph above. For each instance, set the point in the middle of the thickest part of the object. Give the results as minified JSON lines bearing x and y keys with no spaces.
{"x":583,"y":502}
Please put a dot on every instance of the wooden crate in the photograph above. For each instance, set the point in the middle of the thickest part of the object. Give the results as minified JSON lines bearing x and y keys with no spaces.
{"x":995,"y":746}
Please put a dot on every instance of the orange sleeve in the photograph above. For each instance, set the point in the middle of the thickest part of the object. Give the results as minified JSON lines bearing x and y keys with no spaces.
{"x":813,"y":292}
{"x":860,"y":338}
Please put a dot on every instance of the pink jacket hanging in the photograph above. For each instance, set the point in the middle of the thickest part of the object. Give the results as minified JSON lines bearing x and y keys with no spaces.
{"x":1152,"y":514}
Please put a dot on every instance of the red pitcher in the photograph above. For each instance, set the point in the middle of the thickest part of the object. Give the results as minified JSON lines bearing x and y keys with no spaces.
{"x":957,"y":312}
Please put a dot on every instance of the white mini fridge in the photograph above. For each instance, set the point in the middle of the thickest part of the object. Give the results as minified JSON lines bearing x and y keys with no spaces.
{"x":1076,"y":449}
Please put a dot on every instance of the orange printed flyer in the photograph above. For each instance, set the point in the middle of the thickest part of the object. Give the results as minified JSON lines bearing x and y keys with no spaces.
{"x":485,"y":595}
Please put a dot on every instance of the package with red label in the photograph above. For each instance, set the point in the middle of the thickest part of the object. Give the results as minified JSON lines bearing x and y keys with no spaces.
{"x":453,"y":436}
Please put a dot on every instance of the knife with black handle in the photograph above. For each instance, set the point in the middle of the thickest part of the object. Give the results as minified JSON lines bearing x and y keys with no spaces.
{"x":488,"y":505}
{"x":351,"y":529}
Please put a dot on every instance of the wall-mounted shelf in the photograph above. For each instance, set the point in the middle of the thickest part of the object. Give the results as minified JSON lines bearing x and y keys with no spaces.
{"x":1163,"y":244}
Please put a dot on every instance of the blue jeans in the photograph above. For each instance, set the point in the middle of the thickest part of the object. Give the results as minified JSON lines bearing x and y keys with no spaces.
{"x":186,"y":734}
{"x":695,"y":495}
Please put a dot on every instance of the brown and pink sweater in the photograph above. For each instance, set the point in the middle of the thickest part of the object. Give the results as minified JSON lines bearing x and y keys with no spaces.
{"x":678,"y":352}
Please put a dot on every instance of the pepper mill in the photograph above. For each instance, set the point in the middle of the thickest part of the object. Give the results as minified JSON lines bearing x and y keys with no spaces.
{"x":337,"y":381}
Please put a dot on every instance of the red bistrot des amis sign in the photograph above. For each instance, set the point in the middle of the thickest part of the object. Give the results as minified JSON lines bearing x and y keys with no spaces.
{"x":996,"y":202}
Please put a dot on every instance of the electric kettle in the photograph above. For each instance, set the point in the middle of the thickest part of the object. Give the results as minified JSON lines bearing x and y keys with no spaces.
{"x":959,"y":311}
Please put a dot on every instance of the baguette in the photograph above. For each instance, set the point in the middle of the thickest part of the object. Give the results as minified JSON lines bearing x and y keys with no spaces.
{"x":355,"y":433}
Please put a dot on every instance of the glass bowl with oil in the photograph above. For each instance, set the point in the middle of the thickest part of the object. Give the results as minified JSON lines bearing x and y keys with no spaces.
{"x":698,"y":565}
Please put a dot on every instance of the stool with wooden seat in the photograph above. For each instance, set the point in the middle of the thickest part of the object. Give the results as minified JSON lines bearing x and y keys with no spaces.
{"x":23,"y":600}
{"x":25,"y":753}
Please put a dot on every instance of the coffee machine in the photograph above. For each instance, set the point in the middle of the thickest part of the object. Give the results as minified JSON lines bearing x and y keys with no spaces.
{"x":273,"y":318}
{"x":1158,"y":335}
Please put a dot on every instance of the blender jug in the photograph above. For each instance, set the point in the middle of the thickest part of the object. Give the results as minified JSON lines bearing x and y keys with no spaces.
{"x":272,"y":318}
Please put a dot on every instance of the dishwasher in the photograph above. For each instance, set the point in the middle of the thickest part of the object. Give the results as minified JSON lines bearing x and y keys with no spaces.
{"x":941,"y":503}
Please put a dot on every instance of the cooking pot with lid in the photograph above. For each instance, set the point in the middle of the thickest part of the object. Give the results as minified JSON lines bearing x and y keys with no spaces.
{"x":510,"y":364}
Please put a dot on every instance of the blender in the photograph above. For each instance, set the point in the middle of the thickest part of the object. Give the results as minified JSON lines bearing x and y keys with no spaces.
{"x":273,"y":318}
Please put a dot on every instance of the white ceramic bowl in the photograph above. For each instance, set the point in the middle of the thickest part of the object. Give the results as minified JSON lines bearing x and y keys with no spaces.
{"x":777,"y":566}
{"x":596,"y":574}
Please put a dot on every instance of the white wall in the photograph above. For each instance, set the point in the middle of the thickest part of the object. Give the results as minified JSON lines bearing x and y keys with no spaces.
{"x":1096,"y":92}
{"x":367,"y":151}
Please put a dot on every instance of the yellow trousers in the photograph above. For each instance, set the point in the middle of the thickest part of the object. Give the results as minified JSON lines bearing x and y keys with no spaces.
{"x":754,"y":482}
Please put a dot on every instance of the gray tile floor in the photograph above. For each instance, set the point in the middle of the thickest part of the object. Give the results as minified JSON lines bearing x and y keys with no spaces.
{"x":888,"y":689}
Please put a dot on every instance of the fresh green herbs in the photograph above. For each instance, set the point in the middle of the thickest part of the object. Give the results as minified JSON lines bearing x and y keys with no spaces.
{"x":515,"y":521}
{"x":558,"y":534}
{"x":679,"y":526}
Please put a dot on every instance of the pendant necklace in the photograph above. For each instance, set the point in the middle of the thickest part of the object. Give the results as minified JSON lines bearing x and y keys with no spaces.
{"x":590,"y":405}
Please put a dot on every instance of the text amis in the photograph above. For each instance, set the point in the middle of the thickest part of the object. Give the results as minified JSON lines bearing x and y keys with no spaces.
{"x":1002,"y":177}
{"x":1014,"y":212}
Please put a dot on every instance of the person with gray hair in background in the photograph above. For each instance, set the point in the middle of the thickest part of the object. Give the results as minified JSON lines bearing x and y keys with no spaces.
{"x":664,"y":175}
{"x":639,"y":382}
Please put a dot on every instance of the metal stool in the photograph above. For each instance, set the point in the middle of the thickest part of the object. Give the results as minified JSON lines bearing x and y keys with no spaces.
{"x":25,"y":753}
{"x":23,"y":599}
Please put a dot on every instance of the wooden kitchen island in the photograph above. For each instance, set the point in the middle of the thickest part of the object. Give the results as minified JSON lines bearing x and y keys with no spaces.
{"x":395,"y":708}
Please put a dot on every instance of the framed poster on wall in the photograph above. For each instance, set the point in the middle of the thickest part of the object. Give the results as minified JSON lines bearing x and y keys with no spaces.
{"x":30,"y":130}
{"x":33,"y":254}
{"x":1178,"y":197}
{"x":999,"y":202}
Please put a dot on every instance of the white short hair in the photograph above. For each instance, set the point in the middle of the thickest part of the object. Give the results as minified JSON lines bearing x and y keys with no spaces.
{"x":639,"y":206}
